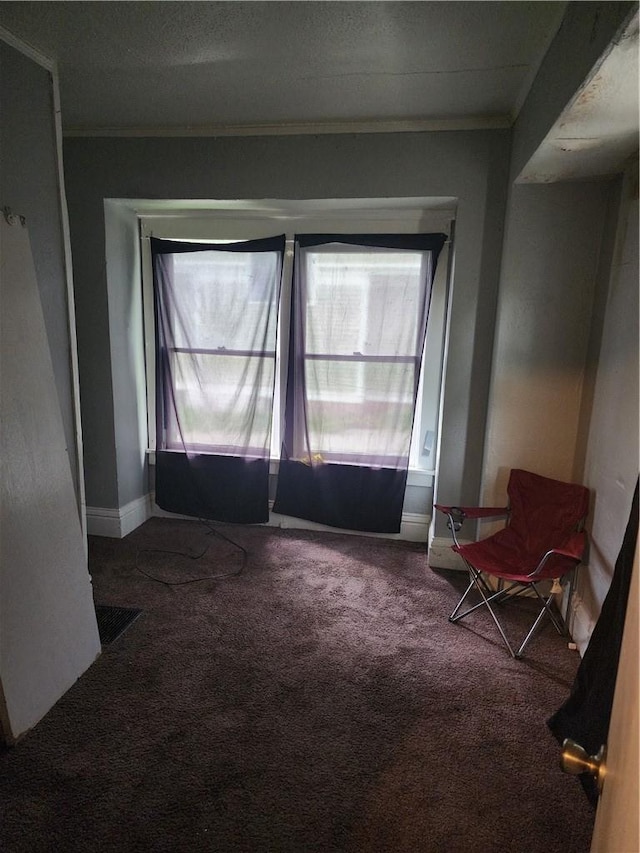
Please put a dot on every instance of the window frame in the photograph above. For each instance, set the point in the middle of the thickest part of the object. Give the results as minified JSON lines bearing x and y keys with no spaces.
{"x":218,"y":225}
{"x":170,"y":439}
{"x":358,"y":357}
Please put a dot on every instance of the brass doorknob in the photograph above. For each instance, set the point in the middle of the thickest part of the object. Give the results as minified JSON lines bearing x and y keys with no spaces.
{"x":575,"y":760}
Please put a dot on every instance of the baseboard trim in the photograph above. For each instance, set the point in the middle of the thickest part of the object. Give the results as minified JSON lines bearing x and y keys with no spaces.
{"x":440,"y":555}
{"x":116,"y":523}
{"x":414,"y":526}
{"x":135,"y":513}
{"x":103,"y":521}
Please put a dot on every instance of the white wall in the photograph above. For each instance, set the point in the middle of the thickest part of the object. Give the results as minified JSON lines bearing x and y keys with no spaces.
{"x":48,"y":631}
{"x":612,"y":464}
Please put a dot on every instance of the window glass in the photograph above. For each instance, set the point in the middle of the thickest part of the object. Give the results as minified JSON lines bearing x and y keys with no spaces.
{"x":363,"y":310}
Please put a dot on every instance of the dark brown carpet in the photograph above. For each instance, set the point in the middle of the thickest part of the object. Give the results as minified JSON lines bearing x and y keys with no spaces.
{"x":319,"y":701}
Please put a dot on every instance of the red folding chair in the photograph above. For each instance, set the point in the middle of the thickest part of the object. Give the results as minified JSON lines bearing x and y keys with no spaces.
{"x":543,"y":540}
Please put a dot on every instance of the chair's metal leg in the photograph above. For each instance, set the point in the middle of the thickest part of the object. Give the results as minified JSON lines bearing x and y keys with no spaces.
{"x":572,"y":586}
{"x":496,"y":597}
{"x":475,"y":578}
{"x":518,"y":654}
{"x":546,"y":610}
{"x":489,"y":596}
{"x":479,"y":583}
{"x":452,"y":618}
{"x":497,"y":624}
{"x":546,"y":602}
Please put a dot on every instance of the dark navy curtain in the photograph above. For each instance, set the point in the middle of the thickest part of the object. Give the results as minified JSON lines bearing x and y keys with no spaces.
{"x":586,"y":714}
{"x":358,"y":323}
{"x":216,"y":309}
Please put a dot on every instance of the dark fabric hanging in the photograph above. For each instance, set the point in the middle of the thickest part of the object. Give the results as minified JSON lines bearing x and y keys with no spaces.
{"x":216,"y":311}
{"x":586,"y":714}
{"x":359,"y":312}
{"x":352,"y":497}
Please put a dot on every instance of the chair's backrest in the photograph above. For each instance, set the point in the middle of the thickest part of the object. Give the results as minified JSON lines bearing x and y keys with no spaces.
{"x":544,"y":511}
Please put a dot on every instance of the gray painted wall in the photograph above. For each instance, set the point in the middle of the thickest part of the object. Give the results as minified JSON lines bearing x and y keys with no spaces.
{"x":471,"y":166}
{"x":548,"y":278}
{"x":564,"y":395}
{"x":29,"y":186}
{"x":124,"y":287}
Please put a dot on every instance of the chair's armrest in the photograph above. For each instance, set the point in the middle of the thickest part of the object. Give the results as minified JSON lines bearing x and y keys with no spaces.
{"x":456,"y":515}
{"x":473,"y":511}
{"x":572,"y":549}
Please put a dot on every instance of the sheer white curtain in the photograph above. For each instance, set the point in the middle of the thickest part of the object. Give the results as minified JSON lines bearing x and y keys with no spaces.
{"x":216,"y":315}
{"x":359,"y":316}
{"x":364,"y":311}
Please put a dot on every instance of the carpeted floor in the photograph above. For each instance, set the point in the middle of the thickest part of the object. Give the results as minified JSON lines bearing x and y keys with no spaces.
{"x":318,"y":701}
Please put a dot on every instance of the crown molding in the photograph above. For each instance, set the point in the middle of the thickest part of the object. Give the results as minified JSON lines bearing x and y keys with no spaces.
{"x":28,"y":50}
{"x":498,"y":122}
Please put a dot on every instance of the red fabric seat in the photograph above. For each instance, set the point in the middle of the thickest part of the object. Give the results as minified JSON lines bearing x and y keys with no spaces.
{"x":542,"y":539}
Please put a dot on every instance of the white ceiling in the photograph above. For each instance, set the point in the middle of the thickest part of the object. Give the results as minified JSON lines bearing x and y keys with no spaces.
{"x":172,"y":66}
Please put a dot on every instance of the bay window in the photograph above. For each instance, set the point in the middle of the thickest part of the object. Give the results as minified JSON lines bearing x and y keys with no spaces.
{"x":306,"y":357}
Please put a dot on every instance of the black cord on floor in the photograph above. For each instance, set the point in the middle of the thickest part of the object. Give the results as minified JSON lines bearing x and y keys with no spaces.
{"x":194,"y":557}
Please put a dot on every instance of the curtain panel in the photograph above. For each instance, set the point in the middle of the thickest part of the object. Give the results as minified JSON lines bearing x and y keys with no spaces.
{"x":216,"y":309}
{"x":359,"y":313}
{"x":586,"y":714}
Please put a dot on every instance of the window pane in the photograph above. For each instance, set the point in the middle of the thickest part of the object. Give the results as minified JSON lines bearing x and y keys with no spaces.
{"x":360,"y":408}
{"x":222,"y":299}
{"x":366,"y":305}
{"x":363,"y":301}
{"x":222,"y":401}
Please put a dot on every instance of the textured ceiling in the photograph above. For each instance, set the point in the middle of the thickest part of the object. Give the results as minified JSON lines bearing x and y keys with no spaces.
{"x":197,"y":65}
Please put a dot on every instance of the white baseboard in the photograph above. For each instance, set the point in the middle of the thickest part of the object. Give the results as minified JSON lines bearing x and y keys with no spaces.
{"x":414,"y":527}
{"x":103,"y":521}
{"x":440,"y":555}
{"x":119,"y":522}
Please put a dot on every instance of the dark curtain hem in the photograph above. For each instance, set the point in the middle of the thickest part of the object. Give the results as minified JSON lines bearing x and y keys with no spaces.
{"x":586,"y":714}
{"x":219,"y":488}
{"x":344,"y":496}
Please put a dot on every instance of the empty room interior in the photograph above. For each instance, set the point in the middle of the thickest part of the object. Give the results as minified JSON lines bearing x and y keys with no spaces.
{"x":289,"y":290}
